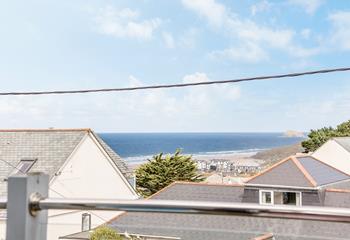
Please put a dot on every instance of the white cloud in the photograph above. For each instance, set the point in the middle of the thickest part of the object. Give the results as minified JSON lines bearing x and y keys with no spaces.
{"x":253,"y":38}
{"x":248,"y":52}
{"x":168,"y":40}
{"x":261,"y":6}
{"x":309,"y":6}
{"x":305,"y":33}
{"x":340,"y":35}
{"x":210,"y":9}
{"x":207,"y":95}
{"x":188,"y":38}
{"x":125,"y":23}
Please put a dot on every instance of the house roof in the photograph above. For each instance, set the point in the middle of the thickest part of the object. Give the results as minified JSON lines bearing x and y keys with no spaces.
{"x":344,"y":142}
{"x":201,"y":192}
{"x":299,"y":171}
{"x":191,"y":227}
{"x":121,"y":164}
{"x":50,"y":148}
{"x":342,"y":185}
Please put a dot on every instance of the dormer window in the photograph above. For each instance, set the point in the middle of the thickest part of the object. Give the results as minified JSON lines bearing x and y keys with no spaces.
{"x":24,"y":166}
{"x":279,"y":197}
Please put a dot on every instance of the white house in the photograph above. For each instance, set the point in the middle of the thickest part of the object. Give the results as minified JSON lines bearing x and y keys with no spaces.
{"x":80,"y":165}
{"x":336,"y":153}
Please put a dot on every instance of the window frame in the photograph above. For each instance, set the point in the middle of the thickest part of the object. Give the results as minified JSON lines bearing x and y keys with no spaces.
{"x":261,"y":191}
{"x":17,"y":169}
{"x":296,"y":192}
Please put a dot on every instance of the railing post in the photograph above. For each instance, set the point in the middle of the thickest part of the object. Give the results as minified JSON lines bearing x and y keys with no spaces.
{"x":21,"y":223}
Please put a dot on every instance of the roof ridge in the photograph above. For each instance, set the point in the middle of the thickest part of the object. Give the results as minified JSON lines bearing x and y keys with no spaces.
{"x":209,"y":184}
{"x":304,"y":171}
{"x":47,"y":130}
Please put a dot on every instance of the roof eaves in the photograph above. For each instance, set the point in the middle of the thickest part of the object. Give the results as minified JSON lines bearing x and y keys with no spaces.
{"x":303,"y":170}
{"x":266,"y":236}
{"x":337,"y":190}
{"x":48,"y":130}
{"x":336,"y":139}
{"x":210,"y":184}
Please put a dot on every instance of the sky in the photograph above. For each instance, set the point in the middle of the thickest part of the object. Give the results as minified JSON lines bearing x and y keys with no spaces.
{"x":83,"y":44}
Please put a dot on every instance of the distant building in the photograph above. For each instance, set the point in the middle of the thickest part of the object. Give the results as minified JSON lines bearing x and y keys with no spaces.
{"x":80,"y":165}
{"x":336,"y":153}
{"x":227,"y":166}
{"x":297,"y":180}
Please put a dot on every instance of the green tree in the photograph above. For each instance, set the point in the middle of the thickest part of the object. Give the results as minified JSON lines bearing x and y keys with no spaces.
{"x":162,"y":170}
{"x":105,"y":233}
{"x":319,"y":136}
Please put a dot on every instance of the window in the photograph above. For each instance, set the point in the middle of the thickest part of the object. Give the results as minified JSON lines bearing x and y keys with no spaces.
{"x":266,"y":197}
{"x":280,"y":198}
{"x":85,"y":222}
{"x":24,"y":166}
{"x":292,"y":198}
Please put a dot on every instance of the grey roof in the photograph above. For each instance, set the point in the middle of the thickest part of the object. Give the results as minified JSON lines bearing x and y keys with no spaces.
{"x":344,"y":142}
{"x":123,"y":167}
{"x":208,"y":227}
{"x":205,"y":227}
{"x":321,"y":172}
{"x":340,"y":185}
{"x":300,"y":171}
{"x":51,"y":148}
{"x":285,"y":173}
{"x":201,"y":192}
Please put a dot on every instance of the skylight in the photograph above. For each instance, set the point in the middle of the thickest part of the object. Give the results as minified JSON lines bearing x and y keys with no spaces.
{"x":24,"y":166}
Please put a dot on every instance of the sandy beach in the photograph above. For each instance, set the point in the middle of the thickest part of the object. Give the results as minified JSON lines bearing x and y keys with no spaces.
{"x":261,"y":159}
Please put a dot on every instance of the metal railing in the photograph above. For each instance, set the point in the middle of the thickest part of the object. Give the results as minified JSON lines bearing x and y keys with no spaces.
{"x":27,"y":207}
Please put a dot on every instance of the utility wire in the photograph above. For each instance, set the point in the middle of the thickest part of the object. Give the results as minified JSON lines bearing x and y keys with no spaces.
{"x":180,"y":85}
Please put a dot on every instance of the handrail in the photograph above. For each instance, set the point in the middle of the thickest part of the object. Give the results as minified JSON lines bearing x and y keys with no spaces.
{"x":331,"y":214}
{"x":199,"y":207}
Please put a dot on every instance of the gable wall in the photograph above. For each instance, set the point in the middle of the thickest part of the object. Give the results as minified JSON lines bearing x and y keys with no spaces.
{"x":87,"y":174}
{"x":334,"y":155}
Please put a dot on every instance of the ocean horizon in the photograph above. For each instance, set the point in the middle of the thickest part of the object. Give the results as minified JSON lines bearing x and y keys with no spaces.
{"x":136,"y":148}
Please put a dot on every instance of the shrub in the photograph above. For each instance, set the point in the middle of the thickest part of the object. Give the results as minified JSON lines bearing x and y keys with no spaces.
{"x":105,"y":233}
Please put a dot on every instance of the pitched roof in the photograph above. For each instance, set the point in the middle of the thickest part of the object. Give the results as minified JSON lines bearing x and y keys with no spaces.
{"x":201,"y":192}
{"x":205,"y":227}
{"x":343,"y":185}
{"x":344,"y":142}
{"x":299,"y":171}
{"x":50,"y":147}
{"x":123,"y":167}
{"x":321,"y":172}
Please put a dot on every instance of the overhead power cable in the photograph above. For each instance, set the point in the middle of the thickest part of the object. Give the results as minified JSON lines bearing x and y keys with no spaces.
{"x":180,"y":85}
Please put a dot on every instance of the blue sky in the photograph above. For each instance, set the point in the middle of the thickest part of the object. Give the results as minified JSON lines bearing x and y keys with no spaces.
{"x":55,"y":45}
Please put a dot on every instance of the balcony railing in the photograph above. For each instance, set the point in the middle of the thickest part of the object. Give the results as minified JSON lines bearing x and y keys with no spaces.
{"x":27,"y":204}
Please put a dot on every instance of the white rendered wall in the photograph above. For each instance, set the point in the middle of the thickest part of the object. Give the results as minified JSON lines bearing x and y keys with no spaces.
{"x":2,"y":229}
{"x":334,"y":155}
{"x":88,"y":174}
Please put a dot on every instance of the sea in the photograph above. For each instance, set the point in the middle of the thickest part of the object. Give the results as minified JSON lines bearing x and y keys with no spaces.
{"x":136,"y":148}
